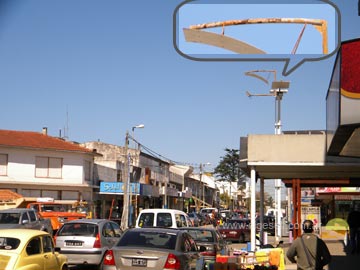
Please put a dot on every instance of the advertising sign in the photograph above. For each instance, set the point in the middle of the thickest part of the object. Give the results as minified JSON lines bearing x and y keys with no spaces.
{"x":312,"y":213}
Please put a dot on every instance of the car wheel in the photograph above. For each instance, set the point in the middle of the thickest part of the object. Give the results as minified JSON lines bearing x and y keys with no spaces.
{"x":242,"y":238}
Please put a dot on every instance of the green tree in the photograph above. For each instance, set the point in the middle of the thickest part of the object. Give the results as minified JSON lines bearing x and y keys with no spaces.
{"x":228,"y":169}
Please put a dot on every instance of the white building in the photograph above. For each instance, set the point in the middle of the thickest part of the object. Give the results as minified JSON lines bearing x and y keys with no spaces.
{"x":34,"y":164}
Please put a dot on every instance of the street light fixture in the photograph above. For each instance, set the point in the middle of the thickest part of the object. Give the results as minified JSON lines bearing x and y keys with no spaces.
{"x":133,"y":129}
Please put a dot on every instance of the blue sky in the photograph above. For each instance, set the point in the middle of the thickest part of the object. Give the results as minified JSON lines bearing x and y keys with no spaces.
{"x":102,"y":67}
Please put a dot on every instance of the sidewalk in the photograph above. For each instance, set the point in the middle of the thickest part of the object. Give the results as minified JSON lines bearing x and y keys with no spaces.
{"x":340,"y":258}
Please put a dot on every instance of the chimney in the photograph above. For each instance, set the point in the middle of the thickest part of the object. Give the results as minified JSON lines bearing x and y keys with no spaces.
{"x":44,"y":131}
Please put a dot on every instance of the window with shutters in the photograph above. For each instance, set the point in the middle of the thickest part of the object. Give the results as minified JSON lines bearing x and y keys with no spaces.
{"x":48,"y":167}
{"x":3,"y":164}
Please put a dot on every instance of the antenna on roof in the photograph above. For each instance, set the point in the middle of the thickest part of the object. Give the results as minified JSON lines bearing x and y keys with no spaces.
{"x":66,"y":128}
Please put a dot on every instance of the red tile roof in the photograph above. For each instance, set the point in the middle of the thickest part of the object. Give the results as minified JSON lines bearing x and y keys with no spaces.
{"x":37,"y":140}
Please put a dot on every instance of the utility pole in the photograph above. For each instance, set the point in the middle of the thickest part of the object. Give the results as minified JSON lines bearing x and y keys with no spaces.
{"x":126,"y":182}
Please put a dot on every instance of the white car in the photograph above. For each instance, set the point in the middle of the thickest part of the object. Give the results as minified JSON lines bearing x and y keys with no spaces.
{"x":167,"y":218}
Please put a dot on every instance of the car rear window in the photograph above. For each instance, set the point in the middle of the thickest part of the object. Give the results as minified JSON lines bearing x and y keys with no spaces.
{"x":148,"y":239}
{"x":81,"y":229}
{"x":164,"y":220}
{"x":9,"y":243}
{"x":146,"y":220}
{"x":201,"y":235}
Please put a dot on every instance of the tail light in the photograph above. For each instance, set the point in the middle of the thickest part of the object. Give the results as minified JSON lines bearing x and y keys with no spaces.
{"x":210,"y":251}
{"x":97,"y":243}
{"x":109,"y":258}
{"x":172,"y":262}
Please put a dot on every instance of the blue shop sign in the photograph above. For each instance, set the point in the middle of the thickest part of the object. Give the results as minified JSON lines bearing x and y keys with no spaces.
{"x":118,"y":188}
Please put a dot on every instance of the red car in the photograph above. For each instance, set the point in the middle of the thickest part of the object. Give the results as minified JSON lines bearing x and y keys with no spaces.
{"x":237,"y":230}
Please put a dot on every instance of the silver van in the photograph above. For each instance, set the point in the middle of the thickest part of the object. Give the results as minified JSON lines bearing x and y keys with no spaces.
{"x":167,"y":218}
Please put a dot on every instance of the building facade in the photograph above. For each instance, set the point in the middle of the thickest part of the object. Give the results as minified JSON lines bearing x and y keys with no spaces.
{"x":34,"y":164}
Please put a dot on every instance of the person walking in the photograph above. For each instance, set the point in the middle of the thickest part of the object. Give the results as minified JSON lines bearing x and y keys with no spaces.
{"x":308,"y":251}
{"x":353,"y":221}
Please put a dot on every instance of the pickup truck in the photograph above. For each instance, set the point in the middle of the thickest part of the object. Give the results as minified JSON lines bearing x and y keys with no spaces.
{"x":23,"y":218}
{"x":58,"y":213}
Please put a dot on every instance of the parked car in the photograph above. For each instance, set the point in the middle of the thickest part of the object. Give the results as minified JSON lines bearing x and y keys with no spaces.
{"x":29,"y":249}
{"x":24,"y":218}
{"x":211,"y":239}
{"x":236,"y":230}
{"x":153,"y":248}
{"x":85,"y":241}
{"x":195,"y":218}
{"x":268,"y":226}
{"x":168,"y":218}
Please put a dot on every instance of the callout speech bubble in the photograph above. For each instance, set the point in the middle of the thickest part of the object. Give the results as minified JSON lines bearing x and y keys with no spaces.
{"x":296,"y":32}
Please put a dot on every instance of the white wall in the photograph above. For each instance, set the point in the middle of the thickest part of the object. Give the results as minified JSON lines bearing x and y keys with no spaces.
{"x":21,"y":166}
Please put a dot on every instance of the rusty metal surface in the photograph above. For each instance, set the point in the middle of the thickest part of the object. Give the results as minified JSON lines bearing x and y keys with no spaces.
{"x":318,"y":22}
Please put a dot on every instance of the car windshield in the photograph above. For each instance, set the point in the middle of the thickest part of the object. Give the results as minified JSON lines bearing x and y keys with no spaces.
{"x":56,"y":208}
{"x":201,"y":235}
{"x":81,"y":229}
{"x":151,"y":239}
{"x":9,"y":218}
{"x":9,"y":243}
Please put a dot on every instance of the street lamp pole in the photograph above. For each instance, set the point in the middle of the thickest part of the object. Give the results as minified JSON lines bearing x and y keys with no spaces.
{"x":279,"y":88}
{"x":126,"y":183}
{"x":136,"y":197}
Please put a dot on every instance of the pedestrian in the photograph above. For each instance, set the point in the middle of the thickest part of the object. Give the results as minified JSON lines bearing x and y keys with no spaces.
{"x":353,"y":221}
{"x":308,"y":251}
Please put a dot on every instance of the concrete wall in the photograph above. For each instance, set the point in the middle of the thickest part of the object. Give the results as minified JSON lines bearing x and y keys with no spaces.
{"x":287,"y":148}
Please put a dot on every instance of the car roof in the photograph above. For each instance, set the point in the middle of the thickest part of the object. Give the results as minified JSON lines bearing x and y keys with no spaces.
{"x":198,"y":228}
{"x":161,"y":210}
{"x":21,"y":233}
{"x":156,"y":229}
{"x":89,"y":220}
{"x":15,"y":210}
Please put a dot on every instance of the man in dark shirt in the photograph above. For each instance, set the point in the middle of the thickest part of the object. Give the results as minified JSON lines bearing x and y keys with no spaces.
{"x":310,"y":251}
{"x":353,"y":221}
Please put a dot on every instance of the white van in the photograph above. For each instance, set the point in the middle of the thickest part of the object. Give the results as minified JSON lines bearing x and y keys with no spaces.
{"x":168,"y":218}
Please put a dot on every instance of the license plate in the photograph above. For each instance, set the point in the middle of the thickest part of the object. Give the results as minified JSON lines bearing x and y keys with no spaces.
{"x":139,"y":262}
{"x":73,"y":243}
